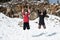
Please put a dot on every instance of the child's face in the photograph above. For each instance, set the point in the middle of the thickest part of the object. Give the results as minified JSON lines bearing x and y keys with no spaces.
{"x":41,"y":14}
{"x":25,"y":12}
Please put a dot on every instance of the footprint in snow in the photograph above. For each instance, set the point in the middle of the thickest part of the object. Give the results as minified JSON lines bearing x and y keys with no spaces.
{"x":1,"y":38}
{"x":38,"y":35}
{"x":41,"y":34}
{"x":52,"y":34}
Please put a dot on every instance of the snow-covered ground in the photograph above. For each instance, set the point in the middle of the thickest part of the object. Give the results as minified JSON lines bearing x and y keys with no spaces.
{"x":10,"y":30}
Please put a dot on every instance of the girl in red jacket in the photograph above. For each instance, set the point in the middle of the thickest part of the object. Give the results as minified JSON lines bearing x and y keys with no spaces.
{"x":26,"y":15}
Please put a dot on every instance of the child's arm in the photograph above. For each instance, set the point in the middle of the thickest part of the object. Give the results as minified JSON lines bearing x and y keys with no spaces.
{"x":47,"y":16}
{"x":22,"y":11}
{"x":28,"y":11}
{"x":38,"y":13}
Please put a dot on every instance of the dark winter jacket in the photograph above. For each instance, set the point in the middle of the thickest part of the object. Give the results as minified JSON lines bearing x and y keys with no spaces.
{"x":41,"y":17}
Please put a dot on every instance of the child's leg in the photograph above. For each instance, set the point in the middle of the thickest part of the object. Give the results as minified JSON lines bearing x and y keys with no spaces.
{"x":39,"y":26}
{"x":28,"y":27}
{"x":24,"y":26}
{"x":44,"y":26}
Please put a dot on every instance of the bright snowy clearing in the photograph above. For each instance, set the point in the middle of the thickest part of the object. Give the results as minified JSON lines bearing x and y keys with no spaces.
{"x":10,"y":30}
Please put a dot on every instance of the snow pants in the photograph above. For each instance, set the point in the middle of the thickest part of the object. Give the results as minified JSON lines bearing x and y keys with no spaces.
{"x":26,"y":25}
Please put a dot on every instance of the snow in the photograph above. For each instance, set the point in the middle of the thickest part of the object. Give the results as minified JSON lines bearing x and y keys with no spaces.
{"x":10,"y":30}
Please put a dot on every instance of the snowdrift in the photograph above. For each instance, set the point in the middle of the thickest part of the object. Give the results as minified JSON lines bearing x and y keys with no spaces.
{"x":10,"y":30}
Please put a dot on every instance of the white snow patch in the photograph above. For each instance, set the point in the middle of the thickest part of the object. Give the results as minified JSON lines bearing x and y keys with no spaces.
{"x":10,"y":30}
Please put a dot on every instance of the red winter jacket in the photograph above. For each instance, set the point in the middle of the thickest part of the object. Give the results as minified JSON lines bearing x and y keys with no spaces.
{"x":25,"y":17}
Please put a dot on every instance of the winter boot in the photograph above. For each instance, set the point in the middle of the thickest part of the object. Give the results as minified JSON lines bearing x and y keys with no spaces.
{"x":44,"y":26}
{"x":39,"y":26}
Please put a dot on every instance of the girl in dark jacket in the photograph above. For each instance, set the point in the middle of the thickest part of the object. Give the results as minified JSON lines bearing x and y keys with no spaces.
{"x":41,"y":15}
